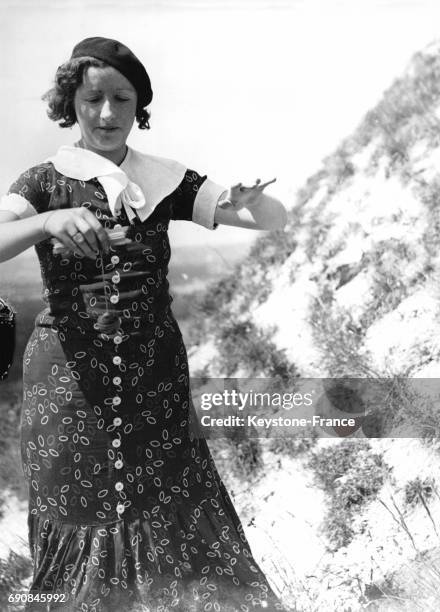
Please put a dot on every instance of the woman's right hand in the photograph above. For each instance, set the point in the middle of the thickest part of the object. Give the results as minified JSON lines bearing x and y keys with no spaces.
{"x":78,"y":230}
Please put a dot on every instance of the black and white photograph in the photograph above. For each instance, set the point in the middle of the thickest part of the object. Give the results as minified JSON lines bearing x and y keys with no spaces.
{"x":220,"y":306}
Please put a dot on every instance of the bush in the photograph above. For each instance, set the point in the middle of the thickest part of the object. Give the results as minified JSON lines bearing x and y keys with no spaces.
{"x":293,"y":446}
{"x":13,"y":571}
{"x":241,"y":345}
{"x":351,"y":475}
{"x":418,"y":490}
{"x":246,"y":457}
{"x":271,"y":249}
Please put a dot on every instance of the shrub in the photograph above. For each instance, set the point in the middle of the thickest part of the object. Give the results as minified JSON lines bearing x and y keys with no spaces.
{"x":294,"y":446}
{"x":351,"y":475}
{"x":339,"y":337}
{"x":241,"y":345}
{"x":417,"y":490}
{"x":271,"y":249}
{"x":13,"y":571}
{"x":246,"y":457}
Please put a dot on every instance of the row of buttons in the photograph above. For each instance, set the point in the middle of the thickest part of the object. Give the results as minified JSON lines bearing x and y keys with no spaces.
{"x":117,"y":380}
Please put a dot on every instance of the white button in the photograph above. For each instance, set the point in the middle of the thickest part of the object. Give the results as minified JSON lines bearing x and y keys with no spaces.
{"x":114,"y":259}
{"x":116,"y":442}
{"x":114,"y":299}
{"x":118,"y":464}
{"x":117,"y":421}
{"x":117,"y":360}
{"x":116,"y":278}
{"x":116,"y":400}
{"x":117,"y":339}
{"x":117,"y":380}
{"x":119,"y":486}
{"x":120,"y":508}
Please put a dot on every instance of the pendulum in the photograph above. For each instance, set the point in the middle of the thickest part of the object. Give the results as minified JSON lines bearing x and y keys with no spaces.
{"x":108,"y":322}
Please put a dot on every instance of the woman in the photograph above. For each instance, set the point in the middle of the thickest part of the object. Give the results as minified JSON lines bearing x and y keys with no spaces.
{"x":125,"y":502}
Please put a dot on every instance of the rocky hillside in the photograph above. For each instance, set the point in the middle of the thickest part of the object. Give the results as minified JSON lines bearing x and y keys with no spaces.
{"x":350,"y":288}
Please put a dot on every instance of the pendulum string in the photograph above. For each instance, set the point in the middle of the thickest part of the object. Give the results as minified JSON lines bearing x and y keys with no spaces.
{"x":101,"y":258}
{"x":107,"y":322}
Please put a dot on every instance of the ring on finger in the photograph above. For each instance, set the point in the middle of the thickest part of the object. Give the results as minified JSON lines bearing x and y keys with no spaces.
{"x":78,"y":237}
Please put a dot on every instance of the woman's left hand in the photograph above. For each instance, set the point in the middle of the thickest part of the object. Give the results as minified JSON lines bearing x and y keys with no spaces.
{"x":239,"y":196}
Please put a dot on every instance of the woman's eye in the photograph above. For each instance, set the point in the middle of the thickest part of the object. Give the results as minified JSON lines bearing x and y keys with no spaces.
{"x":121,"y":99}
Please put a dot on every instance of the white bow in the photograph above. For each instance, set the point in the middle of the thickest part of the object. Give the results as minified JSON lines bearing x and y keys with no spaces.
{"x":155,"y":178}
{"x":120,"y":192}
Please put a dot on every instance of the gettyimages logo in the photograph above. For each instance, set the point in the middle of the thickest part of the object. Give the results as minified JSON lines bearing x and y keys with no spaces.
{"x":258,"y":408}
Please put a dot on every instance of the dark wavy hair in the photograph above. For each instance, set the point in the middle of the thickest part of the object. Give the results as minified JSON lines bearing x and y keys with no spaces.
{"x":68,"y":78}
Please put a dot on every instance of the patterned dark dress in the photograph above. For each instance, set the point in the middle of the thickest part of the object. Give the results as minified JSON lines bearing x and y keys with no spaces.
{"x":126,"y":508}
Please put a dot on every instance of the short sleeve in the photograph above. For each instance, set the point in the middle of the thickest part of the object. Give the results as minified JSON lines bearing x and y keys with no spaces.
{"x":28,"y":194}
{"x":196,"y":199}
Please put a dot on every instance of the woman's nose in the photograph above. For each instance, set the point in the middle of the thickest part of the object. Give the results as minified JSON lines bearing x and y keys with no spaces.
{"x":106,"y":110}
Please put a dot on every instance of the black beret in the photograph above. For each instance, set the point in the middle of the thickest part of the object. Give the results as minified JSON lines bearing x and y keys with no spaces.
{"x":120,"y":57}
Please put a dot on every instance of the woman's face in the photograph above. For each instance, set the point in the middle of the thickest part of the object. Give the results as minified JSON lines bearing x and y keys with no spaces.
{"x":105,"y":107}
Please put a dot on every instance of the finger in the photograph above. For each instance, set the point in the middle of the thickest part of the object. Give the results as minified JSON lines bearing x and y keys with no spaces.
{"x":81,"y":247}
{"x":226,"y":204}
{"x":67,"y":241}
{"x":103,"y":238}
{"x":81,"y":244}
{"x":89,"y":234}
{"x":263,"y":185}
{"x":101,"y":234}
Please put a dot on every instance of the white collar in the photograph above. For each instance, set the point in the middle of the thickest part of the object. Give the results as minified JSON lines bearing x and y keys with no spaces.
{"x":139,"y":184}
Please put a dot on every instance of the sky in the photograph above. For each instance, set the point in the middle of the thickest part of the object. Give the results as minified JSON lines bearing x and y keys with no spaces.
{"x":242,"y":89}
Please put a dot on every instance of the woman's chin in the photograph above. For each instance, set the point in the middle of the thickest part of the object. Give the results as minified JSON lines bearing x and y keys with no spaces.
{"x":110,"y":143}
{"x":106,"y":145}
